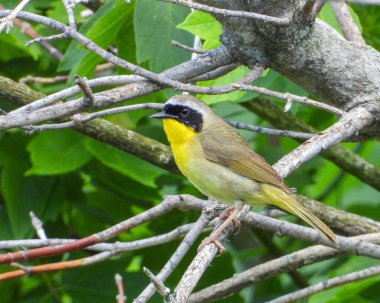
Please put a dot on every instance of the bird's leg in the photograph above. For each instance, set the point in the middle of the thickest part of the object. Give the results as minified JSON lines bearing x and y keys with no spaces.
{"x":233,"y":212}
{"x":225,"y":214}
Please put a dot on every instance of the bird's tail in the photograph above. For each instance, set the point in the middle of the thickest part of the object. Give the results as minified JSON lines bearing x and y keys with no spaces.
{"x":275,"y":196}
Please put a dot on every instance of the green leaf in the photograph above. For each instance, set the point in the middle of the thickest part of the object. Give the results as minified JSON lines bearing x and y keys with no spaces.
{"x":103,"y":32}
{"x":232,"y":76}
{"x":327,"y":15}
{"x":85,"y":285}
{"x":205,"y":26}
{"x":24,"y":194}
{"x":75,"y":52}
{"x":57,"y":152}
{"x":126,"y":164}
{"x":155,"y":27}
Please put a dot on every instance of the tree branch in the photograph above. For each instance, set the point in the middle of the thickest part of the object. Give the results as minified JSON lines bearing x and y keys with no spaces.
{"x":350,"y":30}
{"x":330,"y":283}
{"x":231,"y":13}
{"x":350,"y":124}
{"x":270,"y":269}
{"x":339,"y":155}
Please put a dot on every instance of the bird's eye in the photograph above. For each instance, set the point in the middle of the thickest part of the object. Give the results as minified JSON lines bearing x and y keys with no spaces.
{"x":184,"y":112}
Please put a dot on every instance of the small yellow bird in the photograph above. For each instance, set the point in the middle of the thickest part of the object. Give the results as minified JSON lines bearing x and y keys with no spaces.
{"x":220,"y":163}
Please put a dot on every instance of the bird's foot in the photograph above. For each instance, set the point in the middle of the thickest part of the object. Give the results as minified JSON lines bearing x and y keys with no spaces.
{"x":226,"y":213}
{"x":212,"y":239}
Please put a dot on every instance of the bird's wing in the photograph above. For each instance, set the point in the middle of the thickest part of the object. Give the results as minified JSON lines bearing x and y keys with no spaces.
{"x":226,"y":147}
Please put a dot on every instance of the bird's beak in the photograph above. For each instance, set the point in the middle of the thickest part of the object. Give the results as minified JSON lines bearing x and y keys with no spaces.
{"x":161,"y":115}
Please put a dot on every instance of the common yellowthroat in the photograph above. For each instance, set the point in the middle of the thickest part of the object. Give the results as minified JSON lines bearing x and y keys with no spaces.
{"x":220,"y":163}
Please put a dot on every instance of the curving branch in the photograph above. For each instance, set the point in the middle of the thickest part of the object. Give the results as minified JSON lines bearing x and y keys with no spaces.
{"x":330,"y":283}
{"x":342,"y":157}
{"x":230,"y":13}
{"x":350,"y":30}
{"x":350,"y":124}
{"x":270,"y":269}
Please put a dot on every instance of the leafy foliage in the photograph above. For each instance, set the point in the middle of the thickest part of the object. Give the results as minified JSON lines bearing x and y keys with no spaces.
{"x":78,"y":186}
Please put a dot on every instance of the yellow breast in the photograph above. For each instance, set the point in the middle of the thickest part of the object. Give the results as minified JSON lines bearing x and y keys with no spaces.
{"x":181,"y":140}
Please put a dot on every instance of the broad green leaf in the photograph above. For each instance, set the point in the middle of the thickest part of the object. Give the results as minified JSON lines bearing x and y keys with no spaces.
{"x":327,"y":15}
{"x":75,"y":52}
{"x":205,"y":26}
{"x":24,"y":194}
{"x":232,"y":76}
{"x":155,"y":27}
{"x":103,"y":32}
{"x":57,"y":152}
{"x":95,"y":283}
{"x":126,"y":164}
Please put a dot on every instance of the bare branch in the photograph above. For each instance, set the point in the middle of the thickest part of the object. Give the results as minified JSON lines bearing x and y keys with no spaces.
{"x":330,"y":283}
{"x":341,"y":156}
{"x":220,"y":71}
{"x":231,"y":13}
{"x":291,"y":98}
{"x":350,"y":124}
{"x":271,"y":131}
{"x":121,"y":297}
{"x":7,"y":21}
{"x":102,"y":236}
{"x":350,"y":30}
{"x":38,"y":226}
{"x":202,"y":260}
{"x":272,"y":268}
{"x":158,"y":284}
{"x":178,"y":255}
{"x":88,"y":99}
{"x":160,"y":79}
{"x":188,"y":48}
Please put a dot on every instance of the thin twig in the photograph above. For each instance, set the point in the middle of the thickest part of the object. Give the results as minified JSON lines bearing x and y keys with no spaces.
{"x":271,"y":131}
{"x":330,"y":283}
{"x":202,"y":260}
{"x":88,"y":99}
{"x":120,"y":297}
{"x":64,"y":35}
{"x":306,"y":256}
{"x":108,"y":56}
{"x":218,"y":72}
{"x":83,"y":118}
{"x":158,"y":284}
{"x":350,"y":30}
{"x":350,"y":124}
{"x":290,"y":98}
{"x":175,"y":234}
{"x":231,"y":13}
{"x":26,"y":28}
{"x":7,"y":21}
{"x":38,"y":226}
{"x":188,"y":48}
{"x":72,"y":91}
{"x":48,"y":80}
{"x":178,"y":255}
{"x":69,"y":5}
{"x":155,"y":212}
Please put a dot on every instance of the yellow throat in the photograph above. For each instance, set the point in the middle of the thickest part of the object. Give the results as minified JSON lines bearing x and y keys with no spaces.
{"x":181,"y":140}
{"x":178,"y":133}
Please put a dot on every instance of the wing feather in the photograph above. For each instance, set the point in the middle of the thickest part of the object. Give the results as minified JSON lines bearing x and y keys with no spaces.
{"x":226,"y":147}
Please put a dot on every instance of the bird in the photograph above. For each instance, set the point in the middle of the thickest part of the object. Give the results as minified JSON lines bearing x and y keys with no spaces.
{"x":221,"y":164}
